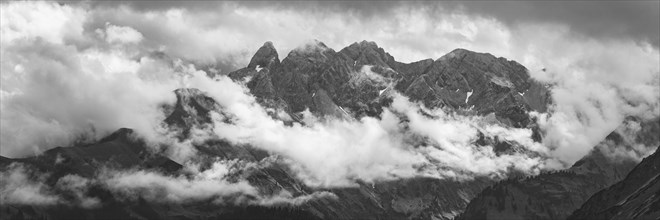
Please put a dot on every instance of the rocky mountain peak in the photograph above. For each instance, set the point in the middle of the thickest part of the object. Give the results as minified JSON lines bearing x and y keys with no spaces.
{"x":465,"y":55}
{"x":364,"y":45}
{"x":264,"y":57}
{"x":311,"y":49}
{"x":182,"y":93}
{"x":192,"y":108}
{"x":368,"y":53}
{"x":461,"y":79}
{"x":120,"y":134}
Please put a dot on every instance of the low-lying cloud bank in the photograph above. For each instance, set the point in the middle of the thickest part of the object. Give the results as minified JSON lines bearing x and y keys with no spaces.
{"x":402,"y":143}
{"x":21,"y":185}
{"x":75,"y":72}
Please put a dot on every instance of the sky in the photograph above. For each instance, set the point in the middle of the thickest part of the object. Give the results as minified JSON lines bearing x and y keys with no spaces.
{"x":78,"y":70}
{"x":400,"y":24}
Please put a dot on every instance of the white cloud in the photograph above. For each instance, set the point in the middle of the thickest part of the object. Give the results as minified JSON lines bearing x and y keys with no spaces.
{"x":78,"y":186}
{"x":47,"y":20}
{"x":17,"y":187}
{"x":232,"y":32}
{"x":120,"y":34}
{"x":207,"y":184}
{"x":333,"y":153}
{"x":596,"y":85}
{"x":62,"y":93}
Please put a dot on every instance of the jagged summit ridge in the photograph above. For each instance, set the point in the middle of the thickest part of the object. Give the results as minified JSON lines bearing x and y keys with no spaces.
{"x":368,"y":53}
{"x":461,"y":79}
{"x":265,"y":56}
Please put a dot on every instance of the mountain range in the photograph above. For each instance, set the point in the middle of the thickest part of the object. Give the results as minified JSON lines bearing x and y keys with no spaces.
{"x":349,"y":84}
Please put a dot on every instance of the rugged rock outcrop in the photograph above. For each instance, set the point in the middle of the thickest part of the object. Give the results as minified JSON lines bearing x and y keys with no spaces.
{"x":356,"y":77}
{"x":191,"y":110}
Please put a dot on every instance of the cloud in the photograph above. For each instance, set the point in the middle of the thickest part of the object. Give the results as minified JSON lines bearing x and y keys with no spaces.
{"x":596,"y":84}
{"x":226,"y":33}
{"x":603,"y":20}
{"x":454,"y":138}
{"x":335,"y":153}
{"x":285,"y":198}
{"x":611,"y":20}
{"x":53,"y":94}
{"x":626,"y":144}
{"x":18,"y":187}
{"x":210,"y":184}
{"x":222,"y":183}
{"x":21,"y":185}
{"x":119,"y":34}
{"x":51,"y":22}
{"x":78,"y":186}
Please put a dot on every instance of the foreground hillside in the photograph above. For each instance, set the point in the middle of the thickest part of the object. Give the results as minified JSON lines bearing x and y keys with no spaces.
{"x":556,"y":195}
{"x":635,"y":197}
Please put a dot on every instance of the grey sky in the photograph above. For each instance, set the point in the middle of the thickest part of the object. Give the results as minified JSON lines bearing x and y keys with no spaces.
{"x":639,"y":20}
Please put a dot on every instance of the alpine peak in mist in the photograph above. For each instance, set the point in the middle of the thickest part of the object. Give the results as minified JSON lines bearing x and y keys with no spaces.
{"x":123,"y":110}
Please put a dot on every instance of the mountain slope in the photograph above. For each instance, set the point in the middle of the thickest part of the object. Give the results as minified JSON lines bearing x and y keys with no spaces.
{"x":635,"y":197}
{"x":556,"y":195}
{"x":356,"y":77}
{"x":399,"y":199}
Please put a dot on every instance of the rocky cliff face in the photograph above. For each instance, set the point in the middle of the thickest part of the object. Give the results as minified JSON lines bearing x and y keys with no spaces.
{"x":355,"y":78}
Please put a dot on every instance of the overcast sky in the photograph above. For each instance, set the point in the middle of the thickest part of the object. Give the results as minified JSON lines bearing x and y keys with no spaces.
{"x":410,"y":30}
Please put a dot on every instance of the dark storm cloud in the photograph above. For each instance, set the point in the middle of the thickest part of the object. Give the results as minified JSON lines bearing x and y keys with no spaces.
{"x":598,"y":19}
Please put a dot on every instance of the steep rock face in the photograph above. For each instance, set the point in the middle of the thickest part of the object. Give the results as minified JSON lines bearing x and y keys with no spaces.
{"x":192,"y":108}
{"x":368,"y":53}
{"x":635,"y":197}
{"x":258,"y":76}
{"x":305,"y":70}
{"x":556,"y":195}
{"x":356,"y":77}
{"x":482,"y":82}
{"x":265,"y":57}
